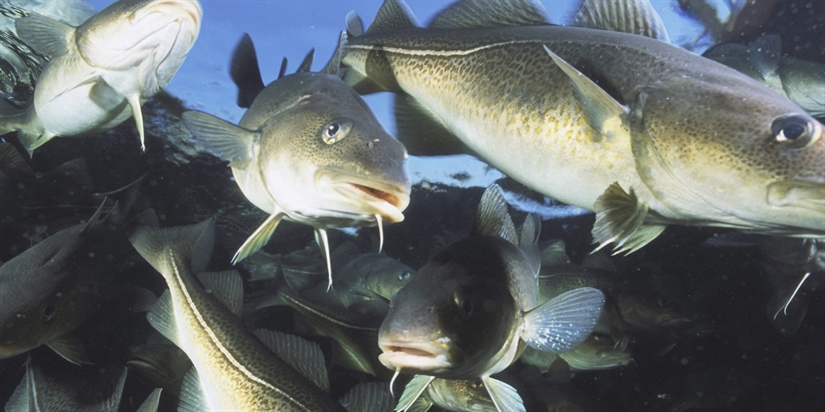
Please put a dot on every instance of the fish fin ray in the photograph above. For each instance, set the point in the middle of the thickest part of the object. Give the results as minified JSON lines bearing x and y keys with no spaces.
{"x":262,"y":266}
{"x":191,"y":397}
{"x":20,"y":400}
{"x":229,"y":142}
{"x":554,"y":254}
{"x":245,"y":72}
{"x":75,"y":170}
{"x":529,"y":241}
{"x":137,"y":113}
{"x":355,"y":27}
{"x":421,"y":131}
{"x":162,"y":318}
{"x":620,"y":219}
{"x":493,"y":218}
{"x":333,"y":66}
{"x":258,"y":238}
{"x":12,"y":160}
{"x":626,"y":16}
{"x":306,"y":64}
{"x":304,"y":356}
{"x":367,"y":396}
{"x":764,"y":53}
{"x":46,"y":35}
{"x":504,"y":396}
{"x":152,"y":402}
{"x":417,"y":385}
{"x":603,"y":113}
{"x":393,"y":14}
{"x":194,"y":242}
{"x":226,"y":286}
{"x":599,"y":260}
{"x":564,"y":322}
{"x":469,"y":14}
{"x":421,"y":404}
{"x":69,"y":347}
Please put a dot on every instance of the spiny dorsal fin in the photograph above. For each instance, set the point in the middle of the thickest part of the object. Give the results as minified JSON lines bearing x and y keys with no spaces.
{"x":333,"y":66}
{"x":306,"y":63}
{"x":244,"y":71}
{"x":492,"y":218}
{"x":393,"y":14}
{"x":226,"y":286}
{"x":626,"y":16}
{"x":469,"y":14}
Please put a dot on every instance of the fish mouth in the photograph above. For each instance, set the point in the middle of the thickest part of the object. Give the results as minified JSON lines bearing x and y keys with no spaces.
{"x":418,"y":357}
{"x":371,"y":197}
{"x":806,"y":195}
{"x":187,"y":8}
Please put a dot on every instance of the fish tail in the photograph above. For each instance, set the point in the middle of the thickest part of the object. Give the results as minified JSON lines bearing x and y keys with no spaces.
{"x":184,"y":243}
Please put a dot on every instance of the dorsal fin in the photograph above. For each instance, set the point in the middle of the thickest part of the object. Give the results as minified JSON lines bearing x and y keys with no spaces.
{"x":626,"y":16}
{"x":245,"y":72}
{"x":282,"y":71}
{"x":303,"y":355}
{"x":492,"y":218}
{"x":393,"y":14}
{"x":306,"y":63}
{"x":226,"y":286}
{"x":468,"y":14}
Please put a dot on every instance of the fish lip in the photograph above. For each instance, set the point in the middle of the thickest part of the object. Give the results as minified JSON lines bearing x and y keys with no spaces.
{"x":431,"y":357}
{"x":192,"y":9}
{"x":798,"y":194}
{"x":386,"y":198}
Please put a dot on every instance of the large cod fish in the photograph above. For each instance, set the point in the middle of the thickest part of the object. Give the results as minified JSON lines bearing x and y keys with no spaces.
{"x":642,"y":132}
{"x":102,"y":71}
{"x":308,"y":150}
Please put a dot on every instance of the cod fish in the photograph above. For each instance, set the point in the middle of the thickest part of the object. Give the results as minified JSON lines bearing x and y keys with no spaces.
{"x":47,"y":388}
{"x":641,"y":132}
{"x":308,"y":150}
{"x":51,"y":288}
{"x":467,"y":313}
{"x":800,"y":80}
{"x":101,"y":72}
{"x":232,"y":369}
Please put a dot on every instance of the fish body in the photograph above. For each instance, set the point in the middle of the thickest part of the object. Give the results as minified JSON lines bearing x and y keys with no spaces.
{"x":308,"y":150}
{"x":641,"y":132}
{"x":467,"y":313}
{"x":235,"y":371}
{"x":103,"y":70}
{"x":799,"y":80}
{"x":50,"y":289}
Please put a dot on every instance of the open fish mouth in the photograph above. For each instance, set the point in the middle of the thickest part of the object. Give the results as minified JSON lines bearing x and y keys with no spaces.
{"x":417,"y":357}
{"x":372,"y":197}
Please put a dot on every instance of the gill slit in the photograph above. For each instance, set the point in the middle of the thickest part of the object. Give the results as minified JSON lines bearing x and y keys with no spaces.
{"x":214,"y":338}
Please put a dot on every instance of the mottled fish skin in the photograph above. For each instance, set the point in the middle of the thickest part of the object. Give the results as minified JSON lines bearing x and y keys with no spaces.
{"x":687,"y":134}
{"x":308,"y":150}
{"x":235,"y":369}
{"x":102,"y":71}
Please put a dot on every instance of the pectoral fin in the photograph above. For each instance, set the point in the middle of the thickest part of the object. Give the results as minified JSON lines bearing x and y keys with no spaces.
{"x":504,"y":396}
{"x":620,"y":219}
{"x":564,"y":322}
{"x":225,"y":140}
{"x":417,"y":385}
{"x":602,"y":112}
{"x":46,"y":35}
{"x":71,"y":349}
{"x":258,"y":239}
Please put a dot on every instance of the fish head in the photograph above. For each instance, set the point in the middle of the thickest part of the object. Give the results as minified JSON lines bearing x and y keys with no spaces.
{"x":153,"y":35}
{"x":723,"y":147}
{"x":449,"y":320}
{"x":646,"y":310}
{"x":325,"y":160}
{"x":385,"y":275}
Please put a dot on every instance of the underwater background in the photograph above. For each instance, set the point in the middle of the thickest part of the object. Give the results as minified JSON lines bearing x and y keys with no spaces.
{"x":739,"y":353}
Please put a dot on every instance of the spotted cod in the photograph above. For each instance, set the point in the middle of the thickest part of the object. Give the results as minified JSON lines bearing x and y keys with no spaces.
{"x":644,"y":133}
{"x":308,"y":150}
{"x":101,"y":72}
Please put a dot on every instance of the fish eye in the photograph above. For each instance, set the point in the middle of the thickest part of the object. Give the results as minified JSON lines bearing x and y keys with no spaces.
{"x":793,"y":130}
{"x":403,"y":276}
{"x":336,"y":130}
{"x":462,"y":301}
{"x":663,"y":302}
{"x":49,"y":311}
